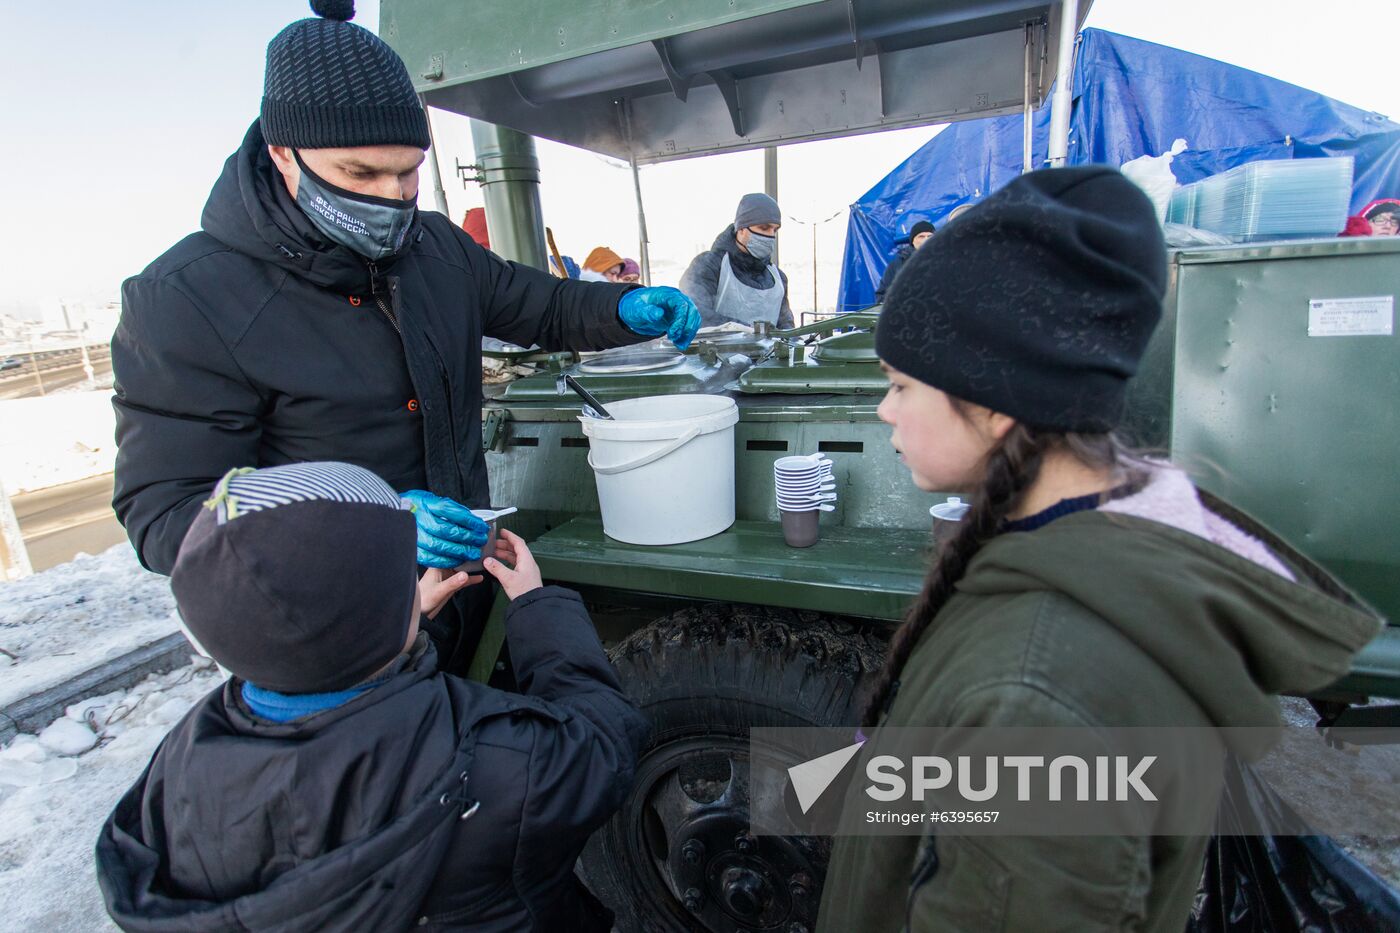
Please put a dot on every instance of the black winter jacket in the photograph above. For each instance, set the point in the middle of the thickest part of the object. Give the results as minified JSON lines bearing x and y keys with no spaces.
{"x":428,"y":802}
{"x":701,"y":278}
{"x":902,"y":253}
{"x":257,"y":343}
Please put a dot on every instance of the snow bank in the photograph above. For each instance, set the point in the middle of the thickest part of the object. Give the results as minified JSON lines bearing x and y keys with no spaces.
{"x":56,"y":439}
{"x":69,"y":619}
{"x":52,"y":807}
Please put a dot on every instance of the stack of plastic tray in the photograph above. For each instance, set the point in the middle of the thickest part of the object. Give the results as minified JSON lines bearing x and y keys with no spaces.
{"x":1182,"y":209}
{"x":1269,"y":200}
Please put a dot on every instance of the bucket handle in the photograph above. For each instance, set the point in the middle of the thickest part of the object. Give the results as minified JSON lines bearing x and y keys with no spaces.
{"x":643,"y":460}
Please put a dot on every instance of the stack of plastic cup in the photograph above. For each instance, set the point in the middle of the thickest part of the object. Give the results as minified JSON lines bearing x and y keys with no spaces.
{"x":805,"y":489}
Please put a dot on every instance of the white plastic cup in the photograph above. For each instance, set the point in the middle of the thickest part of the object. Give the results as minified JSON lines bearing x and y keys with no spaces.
{"x":947,"y":518}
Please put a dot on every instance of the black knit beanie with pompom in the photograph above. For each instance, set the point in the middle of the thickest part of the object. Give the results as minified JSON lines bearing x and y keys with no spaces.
{"x":330,"y":83}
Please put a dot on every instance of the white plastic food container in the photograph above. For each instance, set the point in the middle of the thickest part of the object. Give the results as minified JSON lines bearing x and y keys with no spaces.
{"x":664,"y":467}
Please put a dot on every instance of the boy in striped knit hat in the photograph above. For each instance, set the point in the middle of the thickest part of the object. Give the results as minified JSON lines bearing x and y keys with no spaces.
{"x":337,"y":781}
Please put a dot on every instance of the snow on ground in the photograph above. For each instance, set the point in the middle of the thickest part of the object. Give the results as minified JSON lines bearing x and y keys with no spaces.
{"x":52,"y":806}
{"x":56,"y":439}
{"x":71,"y":618}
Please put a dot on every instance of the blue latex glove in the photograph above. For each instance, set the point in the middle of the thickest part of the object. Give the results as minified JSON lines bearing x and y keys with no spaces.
{"x":652,"y":312}
{"x":448,"y":533}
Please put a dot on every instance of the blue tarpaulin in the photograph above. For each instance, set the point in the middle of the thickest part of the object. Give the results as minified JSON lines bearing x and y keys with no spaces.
{"x":1131,"y":98}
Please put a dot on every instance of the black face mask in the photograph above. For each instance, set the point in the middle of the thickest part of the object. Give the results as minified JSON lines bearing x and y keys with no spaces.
{"x":371,"y":227}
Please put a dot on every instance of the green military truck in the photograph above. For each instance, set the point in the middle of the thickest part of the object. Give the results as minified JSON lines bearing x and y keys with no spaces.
{"x":738,"y":630}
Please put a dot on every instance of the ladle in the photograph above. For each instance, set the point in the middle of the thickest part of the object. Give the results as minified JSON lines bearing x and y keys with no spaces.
{"x":564,"y":381}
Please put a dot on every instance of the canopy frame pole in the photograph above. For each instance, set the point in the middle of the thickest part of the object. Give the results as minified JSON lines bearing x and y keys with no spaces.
{"x":643,"y":239}
{"x":439,"y":195}
{"x":1026,"y":113}
{"x":1063,"y":98}
{"x":770,"y":185}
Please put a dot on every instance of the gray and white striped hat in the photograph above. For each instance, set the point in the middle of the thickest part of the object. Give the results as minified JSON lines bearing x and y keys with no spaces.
{"x":300,"y":578}
{"x":246,"y":489}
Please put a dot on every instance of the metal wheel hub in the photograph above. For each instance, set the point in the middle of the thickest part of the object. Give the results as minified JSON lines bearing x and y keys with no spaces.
{"x":695,"y":813}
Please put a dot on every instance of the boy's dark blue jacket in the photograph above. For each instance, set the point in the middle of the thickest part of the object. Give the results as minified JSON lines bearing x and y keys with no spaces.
{"x":428,"y":802}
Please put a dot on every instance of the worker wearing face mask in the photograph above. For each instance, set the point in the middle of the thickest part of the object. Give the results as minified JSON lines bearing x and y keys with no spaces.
{"x":737,"y":279}
{"x":319,"y":315}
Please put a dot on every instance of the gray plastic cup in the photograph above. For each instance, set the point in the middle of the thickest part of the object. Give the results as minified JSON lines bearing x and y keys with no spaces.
{"x":801,"y":529}
{"x":487,"y":550}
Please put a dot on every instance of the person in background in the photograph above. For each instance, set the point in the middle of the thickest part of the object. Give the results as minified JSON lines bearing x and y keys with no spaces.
{"x":1087,"y":587}
{"x":570,"y":270}
{"x":319,"y":315}
{"x":602,"y":265}
{"x":338,"y":779}
{"x":736,"y":279}
{"x":1356,"y":226}
{"x":1384,"y":217}
{"x":474,"y":226}
{"x":631,"y":271}
{"x":918,"y":236}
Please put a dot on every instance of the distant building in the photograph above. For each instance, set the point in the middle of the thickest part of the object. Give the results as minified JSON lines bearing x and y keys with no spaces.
{"x":55,"y":315}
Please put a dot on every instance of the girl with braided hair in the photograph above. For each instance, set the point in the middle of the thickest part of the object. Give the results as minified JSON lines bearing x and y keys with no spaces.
{"x":1087,"y":587}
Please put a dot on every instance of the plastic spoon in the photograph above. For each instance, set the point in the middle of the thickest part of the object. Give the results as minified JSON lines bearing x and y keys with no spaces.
{"x":490,"y":515}
{"x":811,"y":460}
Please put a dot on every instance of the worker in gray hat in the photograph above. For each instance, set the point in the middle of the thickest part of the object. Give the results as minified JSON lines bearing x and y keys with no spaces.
{"x":737,"y":279}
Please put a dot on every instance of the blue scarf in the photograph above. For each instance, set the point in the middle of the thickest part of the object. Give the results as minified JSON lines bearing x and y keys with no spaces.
{"x":284,"y":707}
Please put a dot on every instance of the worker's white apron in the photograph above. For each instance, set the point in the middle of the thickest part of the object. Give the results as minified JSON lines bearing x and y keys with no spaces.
{"x":744,"y":303}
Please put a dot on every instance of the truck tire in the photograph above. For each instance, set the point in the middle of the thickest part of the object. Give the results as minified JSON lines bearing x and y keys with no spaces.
{"x":678,"y":857}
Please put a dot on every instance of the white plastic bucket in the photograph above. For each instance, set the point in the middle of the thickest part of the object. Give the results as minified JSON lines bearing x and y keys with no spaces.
{"x":664,"y":467}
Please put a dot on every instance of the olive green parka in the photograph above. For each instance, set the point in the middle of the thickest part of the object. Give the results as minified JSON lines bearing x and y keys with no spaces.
{"x":1166,"y":608}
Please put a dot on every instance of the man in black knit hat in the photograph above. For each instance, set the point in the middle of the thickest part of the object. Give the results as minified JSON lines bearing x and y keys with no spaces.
{"x":318,"y":315}
{"x":918,"y":235}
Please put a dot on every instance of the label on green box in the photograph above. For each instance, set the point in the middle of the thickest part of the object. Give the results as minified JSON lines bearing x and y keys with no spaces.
{"x":1351,"y":317}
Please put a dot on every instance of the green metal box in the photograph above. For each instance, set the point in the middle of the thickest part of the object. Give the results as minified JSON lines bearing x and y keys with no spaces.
{"x":1285,"y":398}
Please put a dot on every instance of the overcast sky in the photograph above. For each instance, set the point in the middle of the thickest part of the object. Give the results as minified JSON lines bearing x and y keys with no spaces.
{"x":117,"y":117}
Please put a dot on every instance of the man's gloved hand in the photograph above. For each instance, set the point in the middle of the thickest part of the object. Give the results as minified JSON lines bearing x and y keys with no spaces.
{"x":652,"y":312}
{"x":448,"y":533}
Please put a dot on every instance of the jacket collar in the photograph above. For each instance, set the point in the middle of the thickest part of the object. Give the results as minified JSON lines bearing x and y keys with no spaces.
{"x":412,"y":667}
{"x":251,"y":211}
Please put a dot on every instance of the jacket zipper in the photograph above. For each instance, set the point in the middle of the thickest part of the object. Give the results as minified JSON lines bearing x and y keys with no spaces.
{"x":379,"y":302}
{"x":925,"y":867}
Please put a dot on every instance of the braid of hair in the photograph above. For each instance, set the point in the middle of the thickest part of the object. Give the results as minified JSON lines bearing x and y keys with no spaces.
{"x":1011,"y":468}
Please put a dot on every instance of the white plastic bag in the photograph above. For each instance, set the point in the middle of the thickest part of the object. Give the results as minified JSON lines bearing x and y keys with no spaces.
{"x":1153,"y":174}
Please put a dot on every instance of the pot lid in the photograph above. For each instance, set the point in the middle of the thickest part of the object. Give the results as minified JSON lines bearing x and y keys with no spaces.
{"x":631,"y":360}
